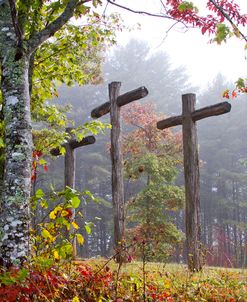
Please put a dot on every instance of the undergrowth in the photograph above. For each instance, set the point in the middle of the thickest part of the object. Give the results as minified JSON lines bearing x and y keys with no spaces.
{"x":94,"y":281}
{"x":50,"y":275}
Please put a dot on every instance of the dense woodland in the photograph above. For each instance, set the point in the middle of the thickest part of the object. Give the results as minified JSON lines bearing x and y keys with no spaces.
{"x":222,"y":150}
{"x":62,"y":240}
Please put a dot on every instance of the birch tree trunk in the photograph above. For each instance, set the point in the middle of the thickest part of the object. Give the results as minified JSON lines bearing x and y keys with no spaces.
{"x":16,"y":56}
{"x":14,"y":216}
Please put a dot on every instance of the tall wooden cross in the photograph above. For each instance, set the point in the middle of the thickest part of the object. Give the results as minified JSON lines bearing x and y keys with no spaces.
{"x":113,"y":106}
{"x":70,"y":164}
{"x":191,"y":170}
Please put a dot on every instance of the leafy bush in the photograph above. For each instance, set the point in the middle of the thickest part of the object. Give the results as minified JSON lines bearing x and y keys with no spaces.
{"x":55,"y":284}
{"x":53,"y":237}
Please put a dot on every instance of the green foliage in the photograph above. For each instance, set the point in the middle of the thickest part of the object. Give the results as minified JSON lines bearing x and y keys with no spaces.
{"x":93,"y":127}
{"x":158,"y":167}
{"x":72,"y":56}
{"x":47,"y":139}
{"x":186,"y":5}
{"x":9,"y":278}
{"x":36,"y":15}
{"x":222,"y":33}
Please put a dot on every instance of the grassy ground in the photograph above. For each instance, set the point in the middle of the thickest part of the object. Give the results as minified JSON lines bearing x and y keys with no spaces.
{"x":101,"y":280}
{"x":173,"y":282}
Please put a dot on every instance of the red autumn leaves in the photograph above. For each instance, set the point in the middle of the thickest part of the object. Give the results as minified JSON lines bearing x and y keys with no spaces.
{"x":187,"y":13}
{"x":37,"y":161}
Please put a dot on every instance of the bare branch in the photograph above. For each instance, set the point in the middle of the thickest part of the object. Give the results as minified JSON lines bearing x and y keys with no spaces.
{"x":140,"y":12}
{"x":163,"y":5}
{"x":140,"y":127}
{"x":54,"y":26}
{"x":104,"y":12}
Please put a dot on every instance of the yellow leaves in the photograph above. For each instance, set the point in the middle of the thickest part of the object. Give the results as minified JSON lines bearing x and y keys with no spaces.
{"x":76,"y":299}
{"x":167,"y":284}
{"x":75,"y":225}
{"x":64,"y":213}
{"x":67,"y":225}
{"x":56,"y":255}
{"x":80,"y":239}
{"x":45,"y":233}
{"x":48,"y":236}
{"x":62,"y":150}
{"x":44,"y":204}
{"x":53,"y":214}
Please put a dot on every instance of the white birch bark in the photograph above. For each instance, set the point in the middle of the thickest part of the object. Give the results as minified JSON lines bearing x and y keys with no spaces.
{"x":14,"y":216}
{"x":15,"y":55}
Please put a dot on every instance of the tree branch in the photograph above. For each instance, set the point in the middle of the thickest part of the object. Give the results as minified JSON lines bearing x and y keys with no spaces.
{"x":139,"y":12}
{"x":54,"y":26}
{"x":140,"y":127}
{"x":163,"y":5}
{"x":15,"y":21}
{"x":220,"y":8}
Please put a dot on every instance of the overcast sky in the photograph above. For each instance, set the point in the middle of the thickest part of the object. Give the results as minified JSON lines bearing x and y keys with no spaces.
{"x":202,"y":59}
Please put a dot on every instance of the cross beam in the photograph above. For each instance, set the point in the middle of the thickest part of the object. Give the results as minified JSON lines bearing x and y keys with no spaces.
{"x":121,"y":100}
{"x":70,"y":164}
{"x":191,"y":170}
{"x":196,"y":115}
{"x":113,"y":106}
{"x":73,"y":143}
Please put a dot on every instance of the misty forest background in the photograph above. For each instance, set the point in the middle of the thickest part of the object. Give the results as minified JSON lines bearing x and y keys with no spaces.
{"x":222,"y":151}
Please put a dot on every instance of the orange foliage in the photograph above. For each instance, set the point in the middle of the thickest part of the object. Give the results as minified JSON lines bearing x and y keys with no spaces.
{"x":145,"y":135}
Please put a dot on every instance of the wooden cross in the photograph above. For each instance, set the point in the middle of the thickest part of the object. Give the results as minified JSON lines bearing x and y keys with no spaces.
{"x":191,"y":170}
{"x":113,"y":106}
{"x":70,"y":164}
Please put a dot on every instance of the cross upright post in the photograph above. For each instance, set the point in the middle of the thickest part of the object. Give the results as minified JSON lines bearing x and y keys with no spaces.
{"x":113,"y":106}
{"x":117,"y":169}
{"x":70,"y":164}
{"x":191,"y":170}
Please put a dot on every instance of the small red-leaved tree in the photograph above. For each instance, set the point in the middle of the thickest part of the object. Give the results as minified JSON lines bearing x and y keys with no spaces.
{"x":152,"y":158}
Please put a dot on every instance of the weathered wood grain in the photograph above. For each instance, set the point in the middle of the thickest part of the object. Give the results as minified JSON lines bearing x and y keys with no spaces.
{"x":214,"y":110}
{"x":191,"y":170}
{"x":192,"y":184}
{"x":122,"y":100}
{"x":117,"y":173}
